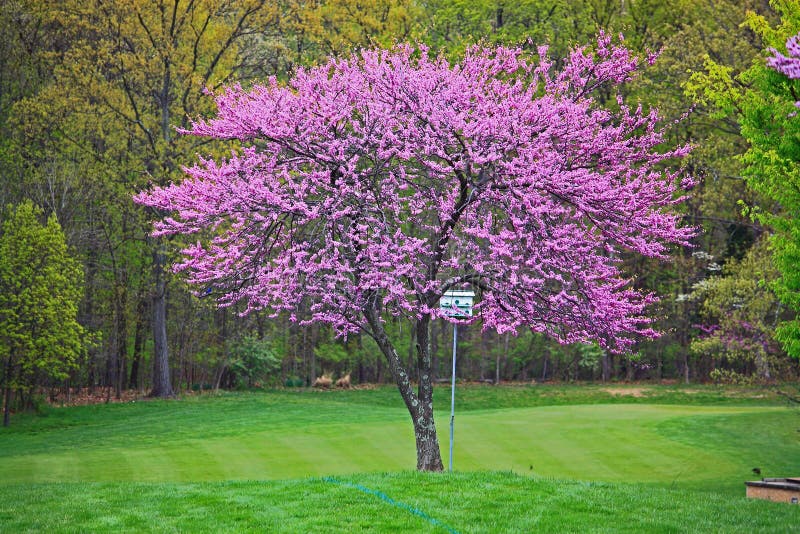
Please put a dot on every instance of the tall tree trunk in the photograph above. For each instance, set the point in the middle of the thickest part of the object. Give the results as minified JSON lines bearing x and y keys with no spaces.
{"x":138,"y":342}
{"x":360,"y":345}
{"x":119,"y":360}
{"x":310,"y":355}
{"x":7,"y":392}
{"x":659,"y":366}
{"x":544,"y":366}
{"x":497,"y":360}
{"x":420,"y":404}
{"x":162,"y":386}
{"x":686,"y":367}
{"x":7,"y":405}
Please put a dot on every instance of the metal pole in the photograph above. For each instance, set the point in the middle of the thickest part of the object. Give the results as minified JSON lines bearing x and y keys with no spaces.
{"x":453,"y":396}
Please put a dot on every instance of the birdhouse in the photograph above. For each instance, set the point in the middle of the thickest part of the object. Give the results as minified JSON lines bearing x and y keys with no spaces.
{"x":457,"y":303}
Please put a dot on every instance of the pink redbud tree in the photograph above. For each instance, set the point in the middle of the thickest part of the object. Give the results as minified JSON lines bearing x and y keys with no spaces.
{"x":368,"y":186}
{"x":788,"y":65}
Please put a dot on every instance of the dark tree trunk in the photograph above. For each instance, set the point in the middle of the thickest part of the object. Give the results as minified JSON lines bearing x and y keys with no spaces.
{"x":138,"y":343}
{"x":119,"y":360}
{"x":310,"y":355}
{"x":659,"y":366}
{"x":505,"y":359}
{"x":360,"y":345}
{"x":162,"y":386}
{"x":7,"y":406}
{"x":606,"y":364}
{"x":544,"y":366}
{"x":420,"y":404}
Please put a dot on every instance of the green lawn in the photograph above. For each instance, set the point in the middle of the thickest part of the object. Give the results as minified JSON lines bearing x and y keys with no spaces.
{"x":653,"y":460}
{"x":396,"y":502}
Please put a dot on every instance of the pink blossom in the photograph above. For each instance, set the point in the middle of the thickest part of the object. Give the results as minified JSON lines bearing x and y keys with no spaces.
{"x":384,"y":179}
{"x":788,"y":65}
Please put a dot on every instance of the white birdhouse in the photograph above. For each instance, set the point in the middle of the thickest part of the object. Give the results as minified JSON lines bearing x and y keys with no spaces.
{"x":457,"y":303}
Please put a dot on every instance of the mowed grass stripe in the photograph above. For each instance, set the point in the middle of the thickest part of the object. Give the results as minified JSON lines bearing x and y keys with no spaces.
{"x":158,"y":422}
{"x":464,"y":502}
{"x":338,"y":449}
{"x":595,"y":442}
{"x":642,"y":443}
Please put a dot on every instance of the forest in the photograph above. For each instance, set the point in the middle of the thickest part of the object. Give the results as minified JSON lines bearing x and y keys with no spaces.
{"x":93,"y":95}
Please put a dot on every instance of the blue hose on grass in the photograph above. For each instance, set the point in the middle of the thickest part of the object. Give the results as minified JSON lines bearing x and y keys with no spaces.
{"x":389,"y":500}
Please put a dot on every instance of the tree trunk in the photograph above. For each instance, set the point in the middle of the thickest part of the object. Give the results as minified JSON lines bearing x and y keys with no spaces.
{"x":686,"y":367}
{"x":429,"y":457}
{"x":311,"y":355}
{"x":119,"y":360}
{"x":544,"y":364}
{"x":497,"y":360}
{"x":606,"y":365}
{"x":7,"y":406}
{"x":420,"y":405}
{"x":659,"y":366}
{"x":162,"y":387}
{"x":138,"y":343}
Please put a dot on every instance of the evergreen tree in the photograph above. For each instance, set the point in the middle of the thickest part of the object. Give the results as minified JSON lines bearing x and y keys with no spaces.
{"x":40,"y":287}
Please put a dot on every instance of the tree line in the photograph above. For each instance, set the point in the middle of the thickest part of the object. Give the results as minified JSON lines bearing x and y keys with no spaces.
{"x":92,"y":95}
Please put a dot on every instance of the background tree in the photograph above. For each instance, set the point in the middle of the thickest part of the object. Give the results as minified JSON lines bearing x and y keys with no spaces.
{"x":135,"y":70}
{"x":773,"y":161}
{"x":762,"y":101}
{"x":312,"y":31}
{"x":370,"y":186}
{"x":40,"y":287}
{"x":741,"y":314}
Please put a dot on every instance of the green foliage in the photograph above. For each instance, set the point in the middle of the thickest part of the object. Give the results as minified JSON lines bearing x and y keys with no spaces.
{"x":590,"y":354}
{"x":312,"y":31}
{"x":294,"y":382}
{"x":768,"y":120}
{"x":745,"y":312}
{"x":452,"y":25}
{"x":760,"y":102}
{"x":331,"y":352}
{"x":729,"y":376}
{"x":40,"y":287}
{"x":253,"y":362}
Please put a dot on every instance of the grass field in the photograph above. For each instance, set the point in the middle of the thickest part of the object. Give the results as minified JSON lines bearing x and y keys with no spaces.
{"x":546,"y":457}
